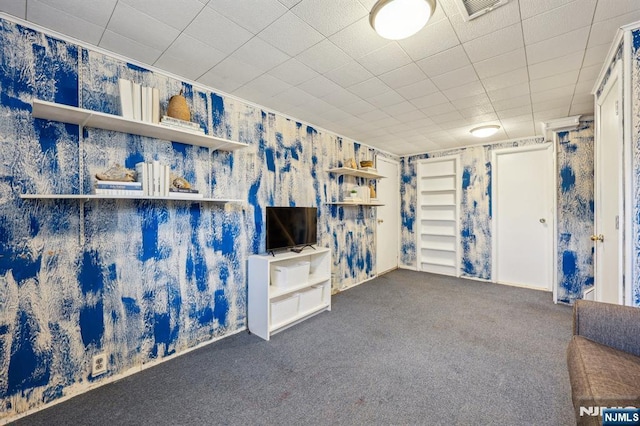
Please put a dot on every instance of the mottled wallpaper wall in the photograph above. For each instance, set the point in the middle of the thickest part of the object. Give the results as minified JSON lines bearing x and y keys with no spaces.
{"x":575,"y":209}
{"x":144,"y":279}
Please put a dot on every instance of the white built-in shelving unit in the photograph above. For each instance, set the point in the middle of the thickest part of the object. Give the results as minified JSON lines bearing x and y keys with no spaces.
{"x":274,"y":308}
{"x":438,"y":215}
{"x":366,"y":174}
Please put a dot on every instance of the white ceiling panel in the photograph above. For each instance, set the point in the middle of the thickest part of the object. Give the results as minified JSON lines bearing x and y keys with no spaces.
{"x":455,"y":78}
{"x":229,"y":74}
{"x":289,"y":3}
{"x":551,"y":67}
{"x":135,"y":25}
{"x":59,"y":20}
{"x":337,"y":15}
{"x":385,"y":99}
{"x":368,"y":88}
{"x":436,"y":98}
{"x":561,"y":20}
{"x":558,"y":80}
{"x":177,"y":14}
{"x":511,"y":78}
{"x":529,"y":8}
{"x":129,"y":48}
{"x":349,"y":74}
{"x":589,"y":73}
{"x":581,"y":108}
{"x":341,"y":97}
{"x":469,"y":89}
{"x":189,"y":57}
{"x":516,"y":112}
{"x":358,"y":39}
{"x":608,"y":9}
{"x":417,"y":90}
{"x":432,"y":39}
{"x":501,"y":64}
{"x":290,"y":34}
{"x":358,"y":108}
{"x":551,"y":114}
{"x":385,"y":59}
{"x":260,"y":55}
{"x":469,"y":101}
{"x":265,"y":84}
{"x":565,"y":93}
{"x":319,"y":86}
{"x":293,"y":72}
{"x":439,"y":109}
{"x":558,"y":46}
{"x":604,"y":31}
{"x":494,"y":44}
{"x":403,"y":76}
{"x":444,"y":62}
{"x":596,"y":55}
{"x":212,"y":28}
{"x":501,"y":17}
{"x":95,"y":12}
{"x":324,"y":57}
{"x":252,"y":15}
{"x":19,"y":7}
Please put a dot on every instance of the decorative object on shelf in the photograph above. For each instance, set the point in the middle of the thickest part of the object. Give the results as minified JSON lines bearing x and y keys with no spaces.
{"x":351,"y":163}
{"x":117,"y":173}
{"x":178,"y":182}
{"x":178,"y":108}
{"x":372,"y":191}
{"x":366,"y":163}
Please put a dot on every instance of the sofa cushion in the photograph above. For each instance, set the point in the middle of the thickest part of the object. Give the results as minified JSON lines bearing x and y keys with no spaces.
{"x":602,"y":376}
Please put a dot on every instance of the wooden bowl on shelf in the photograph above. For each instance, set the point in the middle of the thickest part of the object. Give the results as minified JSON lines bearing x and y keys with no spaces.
{"x":366,"y":163}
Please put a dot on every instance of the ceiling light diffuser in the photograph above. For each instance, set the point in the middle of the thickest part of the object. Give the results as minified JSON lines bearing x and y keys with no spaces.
{"x":398,"y":19}
{"x":485,"y":131}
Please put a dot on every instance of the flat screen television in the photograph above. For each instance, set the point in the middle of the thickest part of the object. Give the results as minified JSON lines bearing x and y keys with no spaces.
{"x":291,"y":227}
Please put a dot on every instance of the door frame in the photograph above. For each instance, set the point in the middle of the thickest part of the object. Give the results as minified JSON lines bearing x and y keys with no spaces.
{"x":615,"y":76}
{"x":457,"y":161}
{"x":397,"y":213}
{"x":552,"y":243}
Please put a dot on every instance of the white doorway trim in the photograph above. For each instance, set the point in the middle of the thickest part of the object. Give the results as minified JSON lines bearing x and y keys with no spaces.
{"x":552,"y":214}
{"x":396,"y":213}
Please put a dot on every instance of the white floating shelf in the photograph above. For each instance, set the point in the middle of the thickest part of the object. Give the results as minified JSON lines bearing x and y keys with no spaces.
{"x":355,"y":172}
{"x":122,"y":197}
{"x":100,"y":120}
{"x":346,"y":203}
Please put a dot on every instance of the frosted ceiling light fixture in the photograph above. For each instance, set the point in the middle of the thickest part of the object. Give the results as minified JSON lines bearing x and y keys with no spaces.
{"x":485,"y":131}
{"x":398,"y":19}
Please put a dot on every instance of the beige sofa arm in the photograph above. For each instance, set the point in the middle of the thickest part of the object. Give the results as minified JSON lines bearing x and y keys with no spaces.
{"x":611,"y":325}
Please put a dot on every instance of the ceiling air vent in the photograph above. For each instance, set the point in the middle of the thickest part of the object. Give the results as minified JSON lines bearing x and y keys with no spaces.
{"x":471,"y":9}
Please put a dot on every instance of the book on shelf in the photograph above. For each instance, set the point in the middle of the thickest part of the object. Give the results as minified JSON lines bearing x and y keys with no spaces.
{"x":126,"y":98}
{"x":154,"y":177}
{"x":155,"y":105}
{"x":184,"y":190}
{"x":178,"y":122}
{"x":138,"y":102}
{"x":130,"y":192}
{"x":112,"y":184}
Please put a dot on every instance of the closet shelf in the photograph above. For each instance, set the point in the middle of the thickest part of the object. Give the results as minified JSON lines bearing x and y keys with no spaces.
{"x":88,"y":197}
{"x":355,"y":172}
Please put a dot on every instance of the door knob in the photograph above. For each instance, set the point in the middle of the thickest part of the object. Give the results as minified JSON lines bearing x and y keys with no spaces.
{"x":598,"y":237}
{"x":543,"y":220}
{"x":380,"y":220}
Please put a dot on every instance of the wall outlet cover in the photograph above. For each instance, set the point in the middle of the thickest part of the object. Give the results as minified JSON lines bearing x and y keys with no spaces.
{"x":98,"y":364}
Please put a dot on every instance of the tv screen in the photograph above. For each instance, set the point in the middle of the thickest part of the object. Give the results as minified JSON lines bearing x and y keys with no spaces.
{"x":289,"y":227}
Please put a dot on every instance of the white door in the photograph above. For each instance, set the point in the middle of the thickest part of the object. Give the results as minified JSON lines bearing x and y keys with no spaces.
{"x":608,"y":188}
{"x":523,"y":216}
{"x":388,"y":223}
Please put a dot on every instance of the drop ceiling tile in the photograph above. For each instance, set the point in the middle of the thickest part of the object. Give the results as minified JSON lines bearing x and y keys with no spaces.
{"x":583,"y":99}
{"x":605,"y":31}
{"x":261,"y":55}
{"x":335,"y":16}
{"x":177,"y":14}
{"x":138,"y":26}
{"x":511,"y":78}
{"x":129,"y":48}
{"x":463,"y":91}
{"x":478,"y":110}
{"x":432,"y":39}
{"x":439,"y":109}
{"x":16,"y":7}
{"x":455,"y":78}
{"x":63,"y":22}
{"x":519,"y":130}
{"x":317,"y":106}
{"x":541,"y":107}
{"x":529,"y":8}
{"x":416,"y":90}
{"x":551,"y":114}
{"x":590,"y":72}
{"x":340,"y":97}
{"x":596,"y":55}
{"x":368,"y":88}
{"x":608,"y":9}
{"x":294,"y":96}
{"x":411,"y":118}
{"x":319,"y":86}
{"x":229,"y":75}
{"x":213,"y":29}
{"x":585,"y":86}
{"x":510,"y":97}
{"x":324,"y":57}
{"x":188,"y":57}
{"x":250,"y":14}
{"x":290,"y":34}
{"x":558,"y":80}
{"x":551,"y":67}
{"x":501,"y":64}
{"x":358,"y":39}
{"x":559,"y":46}
{"x":358,"y":108}
{"x":265,"y":84}
{"x":469,"y":101}
{"x":427,"y":101}
{"x":582,"y":108}
{"x":403,"y":76}
{"x":558,"y":21}
{"x":374,"y":116}
{"x":293,"y":72}
{"x":494,"y":44}
{"x":516,"y":112}
{"x":518,"y":119}
{"x":499,"y":18}
{"x":444,"y":62}
{"x":349,"y":74}
{"x":289,"y":3}
{"x":97,"y":13}
{"x":385,"y":99}
{"x":513,"y":104}
{"x":385,"y":59}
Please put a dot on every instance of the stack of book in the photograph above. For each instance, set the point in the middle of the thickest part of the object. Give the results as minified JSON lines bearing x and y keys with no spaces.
{"x":139,"y":102}
{"x":176,"y":123}
{"x":112,"y":187}
{"x":155,"y":179}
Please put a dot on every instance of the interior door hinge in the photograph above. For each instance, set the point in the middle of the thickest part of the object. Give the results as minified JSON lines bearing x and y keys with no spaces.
{"x":617,"y":107}
{"x":617,"y":222}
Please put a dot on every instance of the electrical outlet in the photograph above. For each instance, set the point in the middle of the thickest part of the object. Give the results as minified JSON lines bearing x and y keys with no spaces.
{"x":99,"y":364}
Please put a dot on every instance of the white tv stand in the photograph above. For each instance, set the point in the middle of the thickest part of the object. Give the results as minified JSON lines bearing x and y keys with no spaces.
{"x":265,"y":299}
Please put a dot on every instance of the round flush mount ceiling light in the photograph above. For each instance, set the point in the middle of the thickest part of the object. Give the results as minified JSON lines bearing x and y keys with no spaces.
{"x":398,"y":19}
{"x":485,"y":131}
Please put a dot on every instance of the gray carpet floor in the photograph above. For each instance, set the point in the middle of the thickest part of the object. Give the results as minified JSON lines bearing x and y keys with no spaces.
{"x":407,"y":348}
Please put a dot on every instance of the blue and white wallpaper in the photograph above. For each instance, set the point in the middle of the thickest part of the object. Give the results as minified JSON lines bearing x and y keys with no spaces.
{"x":140,"y":280}
{"x":575,"y":209}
